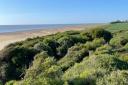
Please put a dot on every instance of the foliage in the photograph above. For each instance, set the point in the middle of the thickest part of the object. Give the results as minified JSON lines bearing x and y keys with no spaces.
{"x":44,"y":70}
{"x":74,"y":54}
{"x":114,"y":78}
{"x":93,"y":68}
{"x":93,"y":57}
{"x":66,"y":42}
{"x":43,"y":47}
{"x":104,"y":49}
{"x":119,"y":40}
{"x":16,"y":60}
{"x":98,"y":33}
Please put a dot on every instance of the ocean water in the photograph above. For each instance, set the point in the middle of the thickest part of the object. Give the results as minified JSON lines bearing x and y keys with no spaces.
{"x":15,"y":28}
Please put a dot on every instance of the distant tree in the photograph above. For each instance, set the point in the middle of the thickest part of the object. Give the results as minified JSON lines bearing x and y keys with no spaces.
{"x":119,"y":21}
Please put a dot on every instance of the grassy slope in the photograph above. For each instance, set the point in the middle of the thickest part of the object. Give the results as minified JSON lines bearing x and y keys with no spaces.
{"x":117,"y":27}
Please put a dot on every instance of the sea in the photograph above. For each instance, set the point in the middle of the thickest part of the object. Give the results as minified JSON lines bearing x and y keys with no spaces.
{"x":16,"y":28}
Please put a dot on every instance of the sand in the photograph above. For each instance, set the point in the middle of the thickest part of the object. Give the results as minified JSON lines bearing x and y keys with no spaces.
{"x":7,"y":38}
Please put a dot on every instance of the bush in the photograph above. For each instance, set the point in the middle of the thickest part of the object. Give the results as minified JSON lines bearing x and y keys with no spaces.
{"x":66,"y":42}
{"x":95,"y":43}
{"x":1,"y":82}
{"x":87,"y":35}
{"x":124,"y":58}
{"x":115,"y":78}
{"x":105,"y":49}
{"x":119,"y":40}
{"x":99,"y":32}
{"x":11,"y":83}
{"x":105,"y":62}
{"x":88,"y":77}
{"x":42,"y":61}
{"x":43,"y":47}
{"x":125,"y":47}
{"x":3,"y":67}
{"x":74,"y":54}
{"x":43,"y":71}
{"x":52,"y":43}
{"x":17,"y":60}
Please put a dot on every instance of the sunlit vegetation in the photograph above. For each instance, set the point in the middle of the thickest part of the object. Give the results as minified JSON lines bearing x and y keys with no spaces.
{"x":117,"y":27}
{"x":87,"y":57}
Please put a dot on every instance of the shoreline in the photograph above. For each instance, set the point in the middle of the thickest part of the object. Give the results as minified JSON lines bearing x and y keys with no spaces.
{"x":11,"y":37}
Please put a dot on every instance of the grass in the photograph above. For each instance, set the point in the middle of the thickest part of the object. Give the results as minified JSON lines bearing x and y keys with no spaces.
{"x":117,"y":27}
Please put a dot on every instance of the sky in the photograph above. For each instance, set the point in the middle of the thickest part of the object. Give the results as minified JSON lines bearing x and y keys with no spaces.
{"x":16,"y":12}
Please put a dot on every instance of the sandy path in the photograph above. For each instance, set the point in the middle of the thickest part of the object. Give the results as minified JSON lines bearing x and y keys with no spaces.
{"x":7,"y":38}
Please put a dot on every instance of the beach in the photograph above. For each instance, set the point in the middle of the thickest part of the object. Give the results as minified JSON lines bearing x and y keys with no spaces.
{"x":11,"y":37}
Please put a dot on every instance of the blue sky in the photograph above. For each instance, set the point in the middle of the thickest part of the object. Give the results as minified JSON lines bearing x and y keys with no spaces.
{"x":61,"y":11}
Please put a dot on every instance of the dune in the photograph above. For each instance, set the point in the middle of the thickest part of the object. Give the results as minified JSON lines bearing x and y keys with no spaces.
{"x":7,"y":38}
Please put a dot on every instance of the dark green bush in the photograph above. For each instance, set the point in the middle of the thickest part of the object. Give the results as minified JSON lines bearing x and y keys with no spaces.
{"x":43,"y":47}
{"x":1,"y":82}
{"x":51,"y":42}
{"x":44,"y":71}
{"x":74,"y":54}
{"x":99,"y":32}
{"x":92,"y":45}
{"x":17,"y":60}
{"x":66,"y":42}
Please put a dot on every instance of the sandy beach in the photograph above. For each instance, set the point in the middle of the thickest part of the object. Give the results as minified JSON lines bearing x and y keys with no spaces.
{"x":7,"y":38}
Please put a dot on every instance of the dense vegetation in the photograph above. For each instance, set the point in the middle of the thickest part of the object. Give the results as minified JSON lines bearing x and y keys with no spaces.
{"x":87,"y":57}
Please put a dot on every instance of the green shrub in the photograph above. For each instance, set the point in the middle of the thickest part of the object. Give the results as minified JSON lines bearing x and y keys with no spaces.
{"x":17,"y":60}
{"x":1,"y":82}
{"x":105,"y":62}
{"x":52,"y":43}
{"x":72,"y":32}
{"x":105,"y":49}
{"x":125,"y":47}
{"x":43,"y":71}
{"x":100,"y":32}
{"x":124,"y":58}
{"x":43,"y":47}
{"x":115,"y":78}
{"x":3,"y":67}
{"x":75,"y":54}
{"x":87,"y":35}
{"x":66,"y":42}
{"x":11,"y":83}
{"x":119,"y":40}
{"x":88,"y":77}
{"x":95,"y":43}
